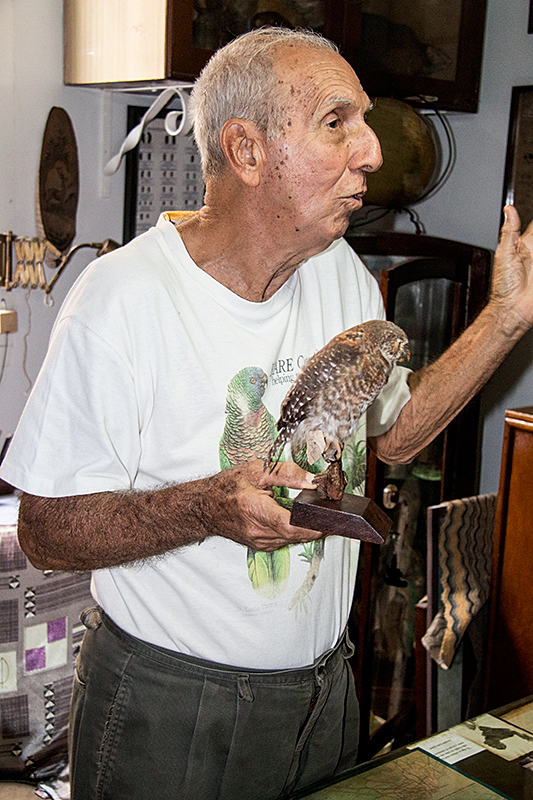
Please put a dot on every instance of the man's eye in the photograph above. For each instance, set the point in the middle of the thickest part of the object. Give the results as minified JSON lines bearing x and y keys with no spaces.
{"x":333,"y":123}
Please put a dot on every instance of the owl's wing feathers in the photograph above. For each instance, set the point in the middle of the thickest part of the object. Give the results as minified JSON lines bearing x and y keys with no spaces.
{"x":294,"y":409}
{"x":342,"y":397}
{"x":338,"y":384}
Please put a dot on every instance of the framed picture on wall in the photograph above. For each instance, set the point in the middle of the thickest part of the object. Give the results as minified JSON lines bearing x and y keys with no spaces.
{"x":518,"y":179}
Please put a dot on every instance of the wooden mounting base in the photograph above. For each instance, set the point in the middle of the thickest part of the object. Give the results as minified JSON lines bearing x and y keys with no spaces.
{"x":353,"y":516}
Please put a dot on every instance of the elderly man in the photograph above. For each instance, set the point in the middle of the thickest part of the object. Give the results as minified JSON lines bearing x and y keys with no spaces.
{"x":214,"y":665}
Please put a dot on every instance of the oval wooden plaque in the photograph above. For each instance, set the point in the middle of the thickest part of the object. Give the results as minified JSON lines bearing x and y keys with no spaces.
{"x":59,"y":185}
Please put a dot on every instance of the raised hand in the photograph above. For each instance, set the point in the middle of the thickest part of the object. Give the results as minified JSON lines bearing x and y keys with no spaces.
{"x":512,"y":278}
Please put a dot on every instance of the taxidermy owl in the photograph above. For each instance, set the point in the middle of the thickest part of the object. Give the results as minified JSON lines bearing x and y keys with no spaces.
{"x":335,"y":387}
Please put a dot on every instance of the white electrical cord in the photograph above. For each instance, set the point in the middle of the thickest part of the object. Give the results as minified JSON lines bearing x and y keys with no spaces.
{"x":2,"y":368}
{"x":176,"y":122}
{"x":6,"y":339}
{"x":25,"y":356}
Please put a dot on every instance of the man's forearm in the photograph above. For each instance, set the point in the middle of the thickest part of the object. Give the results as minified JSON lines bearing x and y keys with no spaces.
{"x":109,"y":528}
{"x":442,"y":389}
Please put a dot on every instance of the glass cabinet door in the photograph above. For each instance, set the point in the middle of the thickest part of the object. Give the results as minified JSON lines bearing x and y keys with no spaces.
{"x":425,"y":310}
{"x":216,"y":22}
{"x":432,"y":294}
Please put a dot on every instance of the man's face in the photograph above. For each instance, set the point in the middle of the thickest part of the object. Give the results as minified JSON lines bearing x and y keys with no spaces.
{"x":316,"y":173}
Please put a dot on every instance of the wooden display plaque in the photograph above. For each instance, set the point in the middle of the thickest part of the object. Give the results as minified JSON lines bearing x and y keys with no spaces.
{"x":353,"y":516}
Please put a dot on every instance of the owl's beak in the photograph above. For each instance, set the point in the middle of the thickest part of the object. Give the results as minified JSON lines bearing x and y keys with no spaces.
{"x":405,"y":354}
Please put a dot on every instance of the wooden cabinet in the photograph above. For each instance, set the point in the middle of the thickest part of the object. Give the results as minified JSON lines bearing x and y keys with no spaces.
{"x":122,"y":41}
{"x":510,"y":649}
{"x":126,"y":42}
{"x":420,"y":54}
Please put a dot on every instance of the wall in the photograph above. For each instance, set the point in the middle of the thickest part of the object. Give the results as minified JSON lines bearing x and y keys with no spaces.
{"x":31,"y":82}
{"x":467,"y":208}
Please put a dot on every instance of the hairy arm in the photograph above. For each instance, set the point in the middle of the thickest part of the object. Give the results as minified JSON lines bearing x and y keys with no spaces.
{"x":111,"y":528}
{"x":442,"y":389}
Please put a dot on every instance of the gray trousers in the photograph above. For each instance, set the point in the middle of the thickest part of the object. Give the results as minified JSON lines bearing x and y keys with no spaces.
{"x":147,"y":722}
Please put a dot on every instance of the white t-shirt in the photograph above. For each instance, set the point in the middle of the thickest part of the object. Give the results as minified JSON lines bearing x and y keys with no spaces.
{"x":157,"y":373}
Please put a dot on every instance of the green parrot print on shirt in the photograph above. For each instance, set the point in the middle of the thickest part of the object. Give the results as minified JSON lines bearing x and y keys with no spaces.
{"x":354,"y":464}
{"x":249,"y":432}
{"x":250,"y":428}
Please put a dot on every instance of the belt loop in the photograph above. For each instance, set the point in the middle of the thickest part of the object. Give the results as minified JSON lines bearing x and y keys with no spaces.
{"x":91,"y":617}
{"x":348,"y":648}
{"x":244,"y":688}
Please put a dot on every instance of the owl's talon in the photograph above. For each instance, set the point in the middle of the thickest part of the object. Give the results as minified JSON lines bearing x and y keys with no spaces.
{"x":333,"y":451}
{"x":331,"y":483}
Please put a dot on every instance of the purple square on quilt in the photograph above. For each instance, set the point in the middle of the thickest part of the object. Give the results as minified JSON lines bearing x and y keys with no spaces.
{"x":35,"y":659}
{"x":57,"y":629}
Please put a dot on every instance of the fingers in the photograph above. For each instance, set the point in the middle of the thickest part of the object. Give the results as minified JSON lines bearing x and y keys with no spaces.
{"x":510,"y":239}
{"x":507,"y":273}
{"x":511,"y":227}
{"x":509,"y":234}
{"x":511,"y":222}
{"x":512,"y":275}
{"x":511,"y":230}
{"x":285,"y":473}
{"x":272,"y":528}
{"x":527,"y":239}
{"x":241,"y":506}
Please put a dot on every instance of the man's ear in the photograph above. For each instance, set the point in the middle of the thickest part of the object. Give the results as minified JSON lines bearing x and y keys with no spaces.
{"x":243,"y":146}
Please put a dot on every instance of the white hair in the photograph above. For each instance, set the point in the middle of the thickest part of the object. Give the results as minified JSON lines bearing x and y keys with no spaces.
{"x":240,"y":81}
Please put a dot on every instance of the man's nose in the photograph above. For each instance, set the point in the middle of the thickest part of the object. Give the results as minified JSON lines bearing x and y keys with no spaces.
{"x":369,"y":151}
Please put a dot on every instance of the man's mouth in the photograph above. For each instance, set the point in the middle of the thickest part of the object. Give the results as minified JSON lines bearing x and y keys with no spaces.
{"x":356,"y":197}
